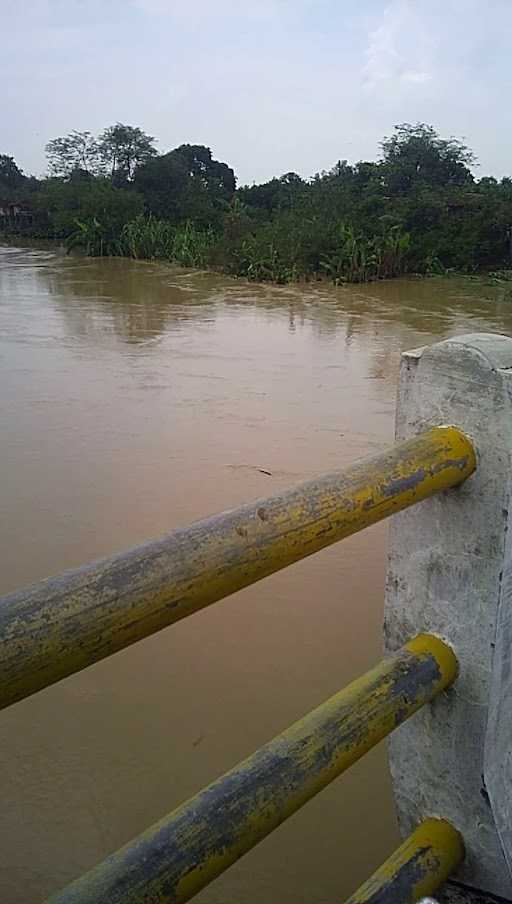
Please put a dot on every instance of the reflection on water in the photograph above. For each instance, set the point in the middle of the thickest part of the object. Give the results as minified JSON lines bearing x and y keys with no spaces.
{"x":136,"y":397}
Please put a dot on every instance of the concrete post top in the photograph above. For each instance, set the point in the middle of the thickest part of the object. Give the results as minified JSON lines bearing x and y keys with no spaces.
{"x":494,"y":348}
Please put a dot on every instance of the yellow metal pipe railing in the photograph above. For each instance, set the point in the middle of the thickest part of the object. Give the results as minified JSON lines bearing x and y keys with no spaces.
{"x":63,"y":624}
{"x":178,"y":856}
{"x":417,"y":868}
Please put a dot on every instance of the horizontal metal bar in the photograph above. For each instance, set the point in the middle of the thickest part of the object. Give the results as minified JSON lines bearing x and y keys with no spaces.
{"x":66,"y":623}
{"x":183,"y":852}
{"x":417,"y":868}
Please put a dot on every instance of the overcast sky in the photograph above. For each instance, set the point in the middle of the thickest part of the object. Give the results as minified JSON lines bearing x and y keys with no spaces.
{"x":270,"y":85}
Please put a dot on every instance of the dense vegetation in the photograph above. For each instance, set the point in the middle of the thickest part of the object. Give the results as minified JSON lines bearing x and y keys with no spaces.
{"x":418,"y":209}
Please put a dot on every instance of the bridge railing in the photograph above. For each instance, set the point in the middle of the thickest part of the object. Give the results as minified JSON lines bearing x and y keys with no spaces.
{"x":448,"y":557}
{"x":178,"y":856}
{"x":64,"y":624}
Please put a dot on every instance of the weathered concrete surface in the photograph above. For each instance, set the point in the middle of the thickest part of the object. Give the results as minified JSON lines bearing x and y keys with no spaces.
{"x":450,"y":573}
{"x":454,"y":893}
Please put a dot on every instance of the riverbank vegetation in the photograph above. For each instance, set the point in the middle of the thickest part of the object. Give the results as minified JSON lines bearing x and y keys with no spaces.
{"x":418,"y":209}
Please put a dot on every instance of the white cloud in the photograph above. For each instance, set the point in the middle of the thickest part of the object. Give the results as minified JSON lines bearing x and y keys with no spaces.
{"x":416,"y":77}
{"x":400,"y":49}
{"x":271,"y":86}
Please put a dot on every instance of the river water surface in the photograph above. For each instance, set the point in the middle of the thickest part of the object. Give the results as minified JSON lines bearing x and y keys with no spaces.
{"x":136,"y":398}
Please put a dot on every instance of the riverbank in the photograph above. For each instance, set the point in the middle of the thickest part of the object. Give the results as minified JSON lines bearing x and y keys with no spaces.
{"x":257,"y":255}
{"x":181,"y":248}
{"x":417,"y":210}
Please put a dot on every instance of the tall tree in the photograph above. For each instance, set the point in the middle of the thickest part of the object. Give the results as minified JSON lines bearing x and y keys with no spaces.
{"x":11,"y":177}
{"x":415,"y":155}
{"x":278,"y":194}
{"x":122,"y":149}
{"x":64,"y":203}
{"x":77,"y":151}
{"x":186,"y":184}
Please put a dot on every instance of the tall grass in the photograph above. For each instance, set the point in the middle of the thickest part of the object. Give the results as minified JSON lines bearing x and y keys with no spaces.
{"x":357,"y":258}
{"x":192,"y":247}
{"x":259,"y":259}
{"x":269,"y":253}
{"x":146,"y":238}
{"x":152,"y":239}
{"x":96,"y":239}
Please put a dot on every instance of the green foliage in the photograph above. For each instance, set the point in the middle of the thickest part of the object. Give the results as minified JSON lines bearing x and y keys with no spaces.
{"x":147,"y":238}
{"x":258,"y":258}
{"x":95,"y":239}
{"x":60,"y":205}
{"x":116,"y":152}
{"x":277,"y":195}
{"x":187,"y":184}
{"x":416,"y":155}
{"x":78,"y":151}
{"x":192,"y":246}
{"x":122,"y":149}
{"x":11,"y":177}
{"x":152,"y":239}
{"x":359,"y":259}
{"x":418,"y":209}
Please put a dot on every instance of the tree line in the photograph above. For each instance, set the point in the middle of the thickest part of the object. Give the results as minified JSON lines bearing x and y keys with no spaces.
{"x":417,"y":209}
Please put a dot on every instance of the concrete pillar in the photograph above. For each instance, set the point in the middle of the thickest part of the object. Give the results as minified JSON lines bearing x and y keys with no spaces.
{"x":450,"y":573}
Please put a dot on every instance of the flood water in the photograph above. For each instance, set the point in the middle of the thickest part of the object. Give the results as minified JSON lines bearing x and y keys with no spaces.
{"x":136,"y":398}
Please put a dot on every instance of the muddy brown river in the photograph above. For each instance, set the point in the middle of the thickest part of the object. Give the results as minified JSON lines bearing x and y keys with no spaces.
{"x":136,"y":398}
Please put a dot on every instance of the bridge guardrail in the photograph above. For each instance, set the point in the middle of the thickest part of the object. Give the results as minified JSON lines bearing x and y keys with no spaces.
{"x":64,"y":624}
{"x":449,"y":587}
{"x":185,"y":851}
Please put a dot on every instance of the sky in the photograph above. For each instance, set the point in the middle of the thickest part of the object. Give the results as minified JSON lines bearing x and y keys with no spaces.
{"x":272,"y":86}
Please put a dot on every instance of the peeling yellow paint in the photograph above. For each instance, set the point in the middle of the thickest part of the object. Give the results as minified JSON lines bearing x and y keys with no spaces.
{"x":417,"y":868}
{"x":174,"y":859}
{"x":64,"y":624}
